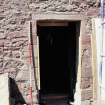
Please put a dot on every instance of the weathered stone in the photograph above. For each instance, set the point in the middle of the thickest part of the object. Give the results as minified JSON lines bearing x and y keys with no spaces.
{"x":2,"y":36}
{"x":69,"y":7}
{"x":53,"y":8}
{"x":16,"y":54}
{"x":1,"y":63}
{"x":2,"y":17}
{"x":32,"y":5}
{"x":76,"y":2}
{"x":65,"y":1}
{"x":14,"y":37}
{"x":86,"y":102}
{"x":23,"y":75}
{"x":86,"y":83}
{"x":1,"y":52}
{"x":10,"y":63}
{"x":91,"y":2}
{"x":87,"y":94}
{"x":17,"y":64}
{"x":4,"y":89}
{"x":83,"y":5}
{"x":86,"y":74}
{"x":19,"y":43}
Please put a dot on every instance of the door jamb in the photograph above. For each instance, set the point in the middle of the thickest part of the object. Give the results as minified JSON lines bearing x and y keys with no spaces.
{"x":43,"y":17}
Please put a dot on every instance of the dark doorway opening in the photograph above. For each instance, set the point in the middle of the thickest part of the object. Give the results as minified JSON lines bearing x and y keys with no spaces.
{"x":58,"y":47}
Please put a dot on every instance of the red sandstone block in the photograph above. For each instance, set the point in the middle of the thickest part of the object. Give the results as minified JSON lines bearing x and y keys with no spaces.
{"x":86,"y":94}
{"x":86,"y":83}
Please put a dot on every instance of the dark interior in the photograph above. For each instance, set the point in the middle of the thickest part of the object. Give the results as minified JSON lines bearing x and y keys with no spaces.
{"x":57,"y":51}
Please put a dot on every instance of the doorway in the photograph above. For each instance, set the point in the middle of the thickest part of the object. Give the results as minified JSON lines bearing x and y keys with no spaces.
{"x":58,"y":57}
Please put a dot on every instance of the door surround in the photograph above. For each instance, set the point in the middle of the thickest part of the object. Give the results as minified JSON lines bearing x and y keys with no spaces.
{"x":58,"y":17}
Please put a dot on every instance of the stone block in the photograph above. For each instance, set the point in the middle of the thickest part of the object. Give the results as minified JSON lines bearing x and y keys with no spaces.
{"x":86,"y":94}
{"x":4,"y":89}
{"x":25,"y":55}
{"x":86,"y":83}
{"x":1,"y":51}
{"x":86,"y":74}
{"x":7,"y":53}
{"x":23,"y":75}
{"x":19,"y":43}
{"x":16,"y":54}
{"x":86,"y":102}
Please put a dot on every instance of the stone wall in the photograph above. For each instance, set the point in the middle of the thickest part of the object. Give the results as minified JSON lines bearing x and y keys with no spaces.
{"x":86,"y":66}
{"x":14,"y":15}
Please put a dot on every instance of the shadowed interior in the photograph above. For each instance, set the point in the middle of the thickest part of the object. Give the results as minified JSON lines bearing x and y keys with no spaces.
{"x":57,"y":51}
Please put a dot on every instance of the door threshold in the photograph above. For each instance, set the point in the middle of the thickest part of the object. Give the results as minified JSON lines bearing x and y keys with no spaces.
{"x":52,"y":97}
